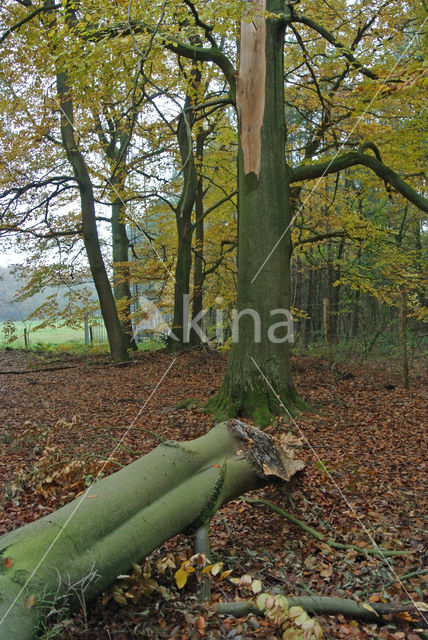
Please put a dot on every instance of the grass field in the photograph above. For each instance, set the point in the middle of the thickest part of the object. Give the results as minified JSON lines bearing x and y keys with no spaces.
{"x":57,"y":335}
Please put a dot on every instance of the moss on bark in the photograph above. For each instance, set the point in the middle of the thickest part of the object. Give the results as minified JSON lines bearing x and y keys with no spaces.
{"x":120,"y":520}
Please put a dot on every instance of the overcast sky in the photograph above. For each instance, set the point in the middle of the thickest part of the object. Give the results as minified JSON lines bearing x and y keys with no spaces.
{"x":9,"y":257}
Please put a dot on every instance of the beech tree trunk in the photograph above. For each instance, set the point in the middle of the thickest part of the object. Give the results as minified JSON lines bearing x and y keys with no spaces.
{"x":198,"y":267}
{"x":403,"y":339}
{"x":309,"y":307}
{"x":183,"y":215}
{"x":91,"y":241}
{"x":121,"y":272}
{"x":264,"y":215}
{"x":120,"y":241}
{"x":123,"y":517}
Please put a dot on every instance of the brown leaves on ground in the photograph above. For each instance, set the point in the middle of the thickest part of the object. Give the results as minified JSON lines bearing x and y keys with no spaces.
{"x":364,"y":445}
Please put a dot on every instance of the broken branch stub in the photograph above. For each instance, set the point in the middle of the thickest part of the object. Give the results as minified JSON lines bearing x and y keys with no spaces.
{"x":270,"y":457}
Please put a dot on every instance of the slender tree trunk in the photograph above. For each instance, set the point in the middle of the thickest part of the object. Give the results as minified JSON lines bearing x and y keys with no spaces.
{"x":297,"y":298}
{"x":317,"y":305}
{"x":198,"y":266}
{"x":89,"y":227}
{"x":309,"y":308}
{"x":115,"y":150}
{"x":121,"y":271}
{"x":356,"y":314}
{"x":264,"y":214}
{"x":334,"y":291}
{"x":180,"y":339}
{"x":421,"y":261}
{"x":327,"y":328}
{"x":356,"y":306}
{"x":183,"y":215}
{"x":403,"y":339}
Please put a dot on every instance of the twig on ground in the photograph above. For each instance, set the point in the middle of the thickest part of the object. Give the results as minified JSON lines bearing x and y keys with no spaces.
{"x":386,"y":553}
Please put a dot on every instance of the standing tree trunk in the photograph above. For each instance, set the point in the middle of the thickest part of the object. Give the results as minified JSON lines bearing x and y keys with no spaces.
{"x":117,"y":344}
{"x":327,"y":328}
{"x":198,"y":266}
{"x":264,"y":215}
{"x":355,"y":321}
{"x":309,"y":307}
{"x":403,"y":339}
{"x":356,"y":314}
{"x":121,"y":272}
{"x":115,"y":150}
{"x":115,"y":144}
{"x":334,"y":272}
{"x":178,"y":340}
{"x":297,"y":294}
{"x":89,"y":226}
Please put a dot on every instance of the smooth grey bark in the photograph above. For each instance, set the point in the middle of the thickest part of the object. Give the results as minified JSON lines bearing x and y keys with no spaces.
{"x":327,"y":328}
{"x":89,"y":226}
{"x":123,"y":517}
{"x":334,"y":272}
{"x":115,"y":149}
{"x":309,"y":306}
{"x":185,"y":228}
{"x":403,"y":339}
{"x":198,"y":262}
{"x":121,"y":271}
{"x":263,"y":215}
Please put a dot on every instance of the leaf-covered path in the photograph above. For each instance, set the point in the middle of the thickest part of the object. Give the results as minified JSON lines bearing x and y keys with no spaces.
{"x":365,"y":483}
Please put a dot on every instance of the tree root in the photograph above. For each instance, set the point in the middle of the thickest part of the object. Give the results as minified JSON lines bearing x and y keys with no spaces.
{"x":384,"y":553}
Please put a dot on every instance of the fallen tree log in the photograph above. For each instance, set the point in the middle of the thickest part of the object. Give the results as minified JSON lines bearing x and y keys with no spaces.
{"x":125,"y":516}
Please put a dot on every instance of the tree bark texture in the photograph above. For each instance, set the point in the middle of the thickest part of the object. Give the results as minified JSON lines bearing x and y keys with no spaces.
{"x":198,"y":263}
{"x":123,"y":517}
{"x":185,"y":227}
{"x":264,"y":215}
{"x":89,"y":226}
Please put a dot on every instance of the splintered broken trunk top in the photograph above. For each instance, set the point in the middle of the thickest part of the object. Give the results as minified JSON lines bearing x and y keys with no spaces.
{"x":264,"y":215}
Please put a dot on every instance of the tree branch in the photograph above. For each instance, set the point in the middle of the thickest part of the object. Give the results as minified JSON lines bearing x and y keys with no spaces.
{"x":311,"y":172}
{"x":205,"y":27}
{"x":216,"y":205}
{"x":325,"y":33}
{"x":323,"y":605}
{"x":378,"y":551}
{"x":27,"y":18}
{"x":193,"y":52}
{"x":320,"y":237}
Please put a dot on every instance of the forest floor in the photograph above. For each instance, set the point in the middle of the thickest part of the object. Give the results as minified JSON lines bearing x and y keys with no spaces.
{"x":364,"y":483}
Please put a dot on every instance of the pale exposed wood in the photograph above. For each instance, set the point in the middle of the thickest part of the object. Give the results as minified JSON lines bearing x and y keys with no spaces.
{"x":250,"y":84}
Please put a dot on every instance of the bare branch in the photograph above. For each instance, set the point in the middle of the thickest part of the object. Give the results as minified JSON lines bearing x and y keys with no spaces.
{"x":325,"y":33}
